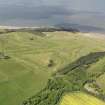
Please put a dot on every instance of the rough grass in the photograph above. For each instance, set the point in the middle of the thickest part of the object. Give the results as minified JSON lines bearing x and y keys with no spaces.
{"x":71,"y":78}
{"x":27,"y":71}
{"x":80,"y":98}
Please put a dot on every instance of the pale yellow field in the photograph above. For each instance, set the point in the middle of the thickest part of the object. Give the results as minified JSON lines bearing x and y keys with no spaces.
{"x":80,"y":99}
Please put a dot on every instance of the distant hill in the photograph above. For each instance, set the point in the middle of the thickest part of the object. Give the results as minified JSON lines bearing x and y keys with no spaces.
{"x":83,"y":28}
{"x":40,"y":29}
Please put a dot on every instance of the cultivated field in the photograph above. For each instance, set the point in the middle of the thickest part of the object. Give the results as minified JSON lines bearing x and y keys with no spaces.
{"x":80,"y":99}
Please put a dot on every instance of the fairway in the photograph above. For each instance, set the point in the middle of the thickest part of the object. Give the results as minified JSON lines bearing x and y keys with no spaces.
{"x":80,"y":98}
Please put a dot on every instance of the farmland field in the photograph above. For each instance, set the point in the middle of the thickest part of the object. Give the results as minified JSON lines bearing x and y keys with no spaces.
{"x":27,"y":70}
{"x":80,"y":99}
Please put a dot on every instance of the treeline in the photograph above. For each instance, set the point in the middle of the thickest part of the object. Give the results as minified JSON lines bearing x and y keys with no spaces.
{"x":49,"y":29}
{"x":83,"y":61}
{"x":69,"y":79}
{"x":43,"y":29}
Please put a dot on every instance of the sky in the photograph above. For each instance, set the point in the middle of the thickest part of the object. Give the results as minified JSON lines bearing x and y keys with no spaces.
{"x":87,"y":5}
{"x":50,"y":12}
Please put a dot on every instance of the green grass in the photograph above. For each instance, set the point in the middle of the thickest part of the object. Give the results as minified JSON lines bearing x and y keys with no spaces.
{"x":27,"y":71}
{"x":71,"y":78}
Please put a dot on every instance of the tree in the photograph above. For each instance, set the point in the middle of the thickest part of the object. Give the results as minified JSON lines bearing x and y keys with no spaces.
{"x":3,"y":41}
{"x":51,"y":63}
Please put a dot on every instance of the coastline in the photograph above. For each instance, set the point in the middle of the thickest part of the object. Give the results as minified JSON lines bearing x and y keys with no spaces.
{"x":87,"y":34}
{"x":15,"y":27}
{"x":20,"y":27}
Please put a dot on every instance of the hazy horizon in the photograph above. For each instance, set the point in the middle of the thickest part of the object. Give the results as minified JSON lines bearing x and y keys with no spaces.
{"x":52,"y":12}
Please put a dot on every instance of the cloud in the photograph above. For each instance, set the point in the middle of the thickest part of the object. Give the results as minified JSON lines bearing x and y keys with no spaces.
{"x":39,"y":12}
{"x":53,"y":11}
{"x":87,"y":5}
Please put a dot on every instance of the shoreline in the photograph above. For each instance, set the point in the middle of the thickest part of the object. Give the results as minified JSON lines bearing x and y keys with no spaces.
{"x":16,"y":27}
{"x":87,"y":34}
{"x":20,"y":27}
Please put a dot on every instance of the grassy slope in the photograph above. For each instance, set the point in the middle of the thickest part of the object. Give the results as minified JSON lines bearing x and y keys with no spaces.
{"x":80,"y":99}
{"x":71,"y":78}
{"x":27,"y":72}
